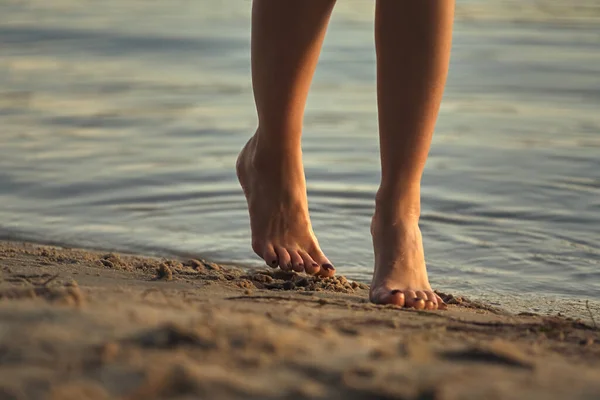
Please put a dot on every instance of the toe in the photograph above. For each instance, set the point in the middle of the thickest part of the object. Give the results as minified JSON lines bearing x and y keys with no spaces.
{"x":285,"y":262}
{"x":421,"y":295}
{"x":310,"y":266}
{"x":297,"y":261}
{"x":270,"y":256}
{"x":419,"y":304}
{"x":429,"y":305}
{"x":431,"y":298}
{"x":441,"y":304}
{"x":395,"y":297}
{"x":410,"y":298}
{"x":327,"y":268}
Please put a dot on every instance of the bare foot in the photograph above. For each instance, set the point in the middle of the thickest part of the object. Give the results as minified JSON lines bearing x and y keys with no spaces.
{"x":400,"y":276}
{"x":275,"y":189}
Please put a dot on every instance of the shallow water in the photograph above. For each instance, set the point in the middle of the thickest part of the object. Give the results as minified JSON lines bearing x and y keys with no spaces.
{"x":121,"y":121}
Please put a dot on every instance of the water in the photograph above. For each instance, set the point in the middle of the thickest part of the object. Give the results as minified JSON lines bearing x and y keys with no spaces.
{"x":121,"y":121}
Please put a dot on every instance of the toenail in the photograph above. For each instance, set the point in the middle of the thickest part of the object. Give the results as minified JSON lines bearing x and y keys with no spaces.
{"x":328,"y":267}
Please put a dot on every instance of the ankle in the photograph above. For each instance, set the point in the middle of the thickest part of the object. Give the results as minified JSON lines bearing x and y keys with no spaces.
{"x":265,"y":158}
{"x":272,"y":142}
{"x":398,"y":205}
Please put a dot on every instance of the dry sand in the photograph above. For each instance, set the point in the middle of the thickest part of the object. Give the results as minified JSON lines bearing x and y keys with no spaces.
{"x":77,"y":324}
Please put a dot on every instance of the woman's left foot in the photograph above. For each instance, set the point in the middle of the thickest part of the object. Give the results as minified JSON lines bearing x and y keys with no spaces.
{"x":400,"y":275}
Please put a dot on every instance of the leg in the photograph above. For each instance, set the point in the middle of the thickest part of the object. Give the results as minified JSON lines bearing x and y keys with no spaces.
{"x":413,"y":40}
{"x":286,"y":42}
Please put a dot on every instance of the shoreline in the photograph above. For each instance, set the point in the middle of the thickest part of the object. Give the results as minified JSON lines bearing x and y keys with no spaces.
{"x":582,"y":308}
{"x":83,"y":324}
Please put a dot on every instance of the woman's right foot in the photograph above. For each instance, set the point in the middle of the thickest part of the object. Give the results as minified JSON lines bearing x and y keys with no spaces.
{"x":275,"y":188}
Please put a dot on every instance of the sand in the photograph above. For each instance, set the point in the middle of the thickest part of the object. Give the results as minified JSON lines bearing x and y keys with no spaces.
{"x":78,"y":324}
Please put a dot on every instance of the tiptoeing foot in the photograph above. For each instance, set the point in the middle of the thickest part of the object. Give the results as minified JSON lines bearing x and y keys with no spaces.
{"x":275,"y":188}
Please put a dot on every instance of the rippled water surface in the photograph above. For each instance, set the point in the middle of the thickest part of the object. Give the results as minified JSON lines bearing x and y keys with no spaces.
{"x":121,"y":121}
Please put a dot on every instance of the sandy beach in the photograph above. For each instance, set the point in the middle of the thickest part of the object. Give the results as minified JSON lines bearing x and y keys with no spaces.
{"x":77,"y":324}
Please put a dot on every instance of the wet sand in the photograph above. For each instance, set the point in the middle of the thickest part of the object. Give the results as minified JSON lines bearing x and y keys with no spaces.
{"x":78,"y":324}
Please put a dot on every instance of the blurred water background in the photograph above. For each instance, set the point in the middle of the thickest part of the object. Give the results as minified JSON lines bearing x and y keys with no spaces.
{"x":121,"y":121}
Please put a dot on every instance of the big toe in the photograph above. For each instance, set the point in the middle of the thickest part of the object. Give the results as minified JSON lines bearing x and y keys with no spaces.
{"x":395,"y":297}
{"x":327,"y":270}
{"x":326,"y":267}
